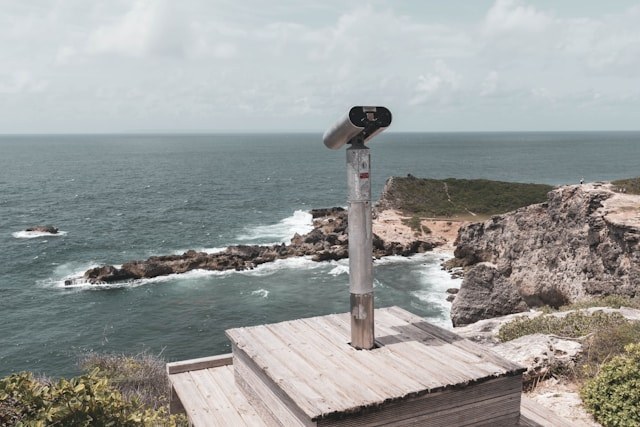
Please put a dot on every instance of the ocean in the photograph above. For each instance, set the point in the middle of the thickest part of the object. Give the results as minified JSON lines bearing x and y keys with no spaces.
{"x":122,"y":197}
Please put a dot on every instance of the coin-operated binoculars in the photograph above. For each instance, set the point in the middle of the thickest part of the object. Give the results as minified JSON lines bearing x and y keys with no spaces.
{"x":358,"y":126}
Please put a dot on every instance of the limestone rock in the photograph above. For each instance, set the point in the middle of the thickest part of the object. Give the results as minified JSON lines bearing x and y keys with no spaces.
{"x":540,"y":354}
{"x":584,"y":241}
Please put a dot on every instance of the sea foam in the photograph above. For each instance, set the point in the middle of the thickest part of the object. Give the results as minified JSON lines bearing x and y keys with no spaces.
{"x":64,"y":273}
{"x":33,"y":234}
{"x":300,"y":222}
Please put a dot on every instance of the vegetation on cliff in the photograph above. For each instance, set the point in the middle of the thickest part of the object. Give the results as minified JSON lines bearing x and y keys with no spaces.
{"x":464,"y":198}
{"x":115,"y":390}
{"x":607,"y":369}
{"x":629,"y":185}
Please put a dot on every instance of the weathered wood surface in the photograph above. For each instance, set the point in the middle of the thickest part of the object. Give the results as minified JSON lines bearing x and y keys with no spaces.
{"x":532,"y":413}
{"x":422,"y":375}
{"x":201,"y":363}
{"x":210,"y":398}
{"x":311,"y":362}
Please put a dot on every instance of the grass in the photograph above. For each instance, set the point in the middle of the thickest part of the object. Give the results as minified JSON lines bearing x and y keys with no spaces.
{"x":453,"y":198}
{"x":630,"y":185}
{"x":573,"y":325}
{"x":415,"y":224}
{"x":613,"y":301}
{"x":142,"y":376}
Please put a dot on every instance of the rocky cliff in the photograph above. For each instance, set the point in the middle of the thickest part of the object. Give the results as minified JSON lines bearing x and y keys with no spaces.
{"x":583,"y":241}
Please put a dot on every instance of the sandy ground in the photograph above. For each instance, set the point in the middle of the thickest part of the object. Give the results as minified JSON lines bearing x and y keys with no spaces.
{"x":388,"y":225}
{"x":564,"y":400}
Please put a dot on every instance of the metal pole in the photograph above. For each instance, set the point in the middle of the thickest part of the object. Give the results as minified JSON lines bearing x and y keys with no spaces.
{"x":360,"y":245}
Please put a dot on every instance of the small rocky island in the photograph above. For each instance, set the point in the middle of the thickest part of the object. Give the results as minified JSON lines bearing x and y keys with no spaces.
{"x":43,"y":229}
{"x":327,"y":241}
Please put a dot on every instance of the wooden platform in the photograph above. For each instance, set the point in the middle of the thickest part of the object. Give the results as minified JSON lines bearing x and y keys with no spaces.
{"x":304,"y":372}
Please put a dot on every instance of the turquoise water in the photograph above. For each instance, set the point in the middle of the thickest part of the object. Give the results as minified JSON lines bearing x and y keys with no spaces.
{"x":123,"y":197}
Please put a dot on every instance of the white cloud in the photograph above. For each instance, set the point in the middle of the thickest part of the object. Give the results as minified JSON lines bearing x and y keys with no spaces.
{"x":150,"y":27}
{"x":436,"y":85}
{"x":489,"y":84}
{"x":21,"y":82}
{"x":65,"y":55}
{"x":514,"y":16}
{"x":132,"y":64}
{"x":543,"y":94}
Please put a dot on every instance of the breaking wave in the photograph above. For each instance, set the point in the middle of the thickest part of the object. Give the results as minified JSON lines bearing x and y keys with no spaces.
{"x":300,"y":222}
{"x":33,"y":234}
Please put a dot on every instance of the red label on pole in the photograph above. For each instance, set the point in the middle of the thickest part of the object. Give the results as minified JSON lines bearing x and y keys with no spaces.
{"x":364,"y":175}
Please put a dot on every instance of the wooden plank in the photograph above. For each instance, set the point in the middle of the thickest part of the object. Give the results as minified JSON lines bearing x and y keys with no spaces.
{"x":221,"y":410}
{"x":454,"y":353}
{"x":456,"y":340}
{"x":534,"y":414}
{"x":264,"y":394}
{"x":224,"y":379}
{"x":393,"y":367}
{"x":441,"y":362}
{"x":333,"y":367}
{"x":196,"y":407}
{"x":201,"y":363}
{"x":430,"y":364}
{"x":293,"y":374}
{"x":356,"y":372}
{"x":212,"y":398}
{"x":492,"y":399}
{"x":385,"y":378}
{"x":424,"y":366}
{"x":175,"y":406}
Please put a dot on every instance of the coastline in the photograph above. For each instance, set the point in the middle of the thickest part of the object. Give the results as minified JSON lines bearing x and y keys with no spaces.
{"x":390,"y":225}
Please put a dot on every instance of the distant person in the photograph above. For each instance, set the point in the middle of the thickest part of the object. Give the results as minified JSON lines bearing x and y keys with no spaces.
{"x":581,"y":181}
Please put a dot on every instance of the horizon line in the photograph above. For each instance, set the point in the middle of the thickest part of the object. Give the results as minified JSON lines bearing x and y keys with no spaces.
{"x":293,"y":132}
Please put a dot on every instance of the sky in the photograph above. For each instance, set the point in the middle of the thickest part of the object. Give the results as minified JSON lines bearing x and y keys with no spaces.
{"x":77,"y":66}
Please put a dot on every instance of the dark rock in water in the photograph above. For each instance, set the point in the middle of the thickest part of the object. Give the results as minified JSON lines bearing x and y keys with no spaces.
{"x":43,"y":229}
{"x":453,"y":291}
{"x":324,"y":212}
{"x":107,"y":273}
{"x":450,"y":297}
{"x":328,"y":241}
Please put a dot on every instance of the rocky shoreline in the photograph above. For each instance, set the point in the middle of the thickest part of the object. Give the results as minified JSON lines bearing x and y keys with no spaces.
{"x":327,"y":241}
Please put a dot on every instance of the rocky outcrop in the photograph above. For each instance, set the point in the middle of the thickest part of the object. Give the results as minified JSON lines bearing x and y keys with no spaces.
{"x":539,"y":353}
{"x":543,"y":356}
{"x":43,"y":229}
{"x":327,"y":241}
{"x":583,"y":241}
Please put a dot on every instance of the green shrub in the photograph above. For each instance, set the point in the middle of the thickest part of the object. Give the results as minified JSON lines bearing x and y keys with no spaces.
{"x":87,"y":400}
{"x":613,"y":396}
{"x":573,"y":325}
{"x":613,"y":301}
